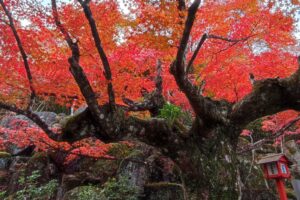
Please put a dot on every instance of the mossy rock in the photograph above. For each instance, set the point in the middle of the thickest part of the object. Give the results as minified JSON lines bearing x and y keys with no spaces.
{"x":4,"y":154}
{"x":164,"y":191}
{"x":110,"y":167}
{"x":5,"y":159}
{"x":105,"y":168}
{"x":84,"y":193}
{"x":101,"y":168}
{"x":120,"y":150}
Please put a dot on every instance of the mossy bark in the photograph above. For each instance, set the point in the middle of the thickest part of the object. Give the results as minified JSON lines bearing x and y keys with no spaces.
{"x":209,"y":168}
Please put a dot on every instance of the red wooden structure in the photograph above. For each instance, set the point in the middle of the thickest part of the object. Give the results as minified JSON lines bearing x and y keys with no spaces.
{"x":275,"y":166}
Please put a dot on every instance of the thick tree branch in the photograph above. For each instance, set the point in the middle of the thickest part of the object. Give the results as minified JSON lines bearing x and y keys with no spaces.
{"x":155,"y":131}
{"x":78,"y":73}
{"x":101,"y":52}
{"x":22,"y":51}
{"x":33,"y":117}
{"x":185,"y":37}
{"x":158,"y":133}
{"x":210,"y":111}
{"x":268,"y":97}
{"x":137,"y":106}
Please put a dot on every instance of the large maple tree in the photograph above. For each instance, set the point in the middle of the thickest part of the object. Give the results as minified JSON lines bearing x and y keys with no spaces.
{"x":229,"y":62}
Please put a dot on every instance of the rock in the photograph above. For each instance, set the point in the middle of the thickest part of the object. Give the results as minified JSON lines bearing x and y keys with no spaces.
{"x":84,"y":193}
{"x":16,"y":121}
{"x":100,"y":169}
{"x":5,"y":159}
{"x":164,"y":191}
{"x":48,"y":117}
{"x":145,"y":164}
{"x":68,"y":182}
{"x":135,"y":169}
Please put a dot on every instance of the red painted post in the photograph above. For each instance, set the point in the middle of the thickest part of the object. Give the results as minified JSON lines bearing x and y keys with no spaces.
{"x":281,"y":189}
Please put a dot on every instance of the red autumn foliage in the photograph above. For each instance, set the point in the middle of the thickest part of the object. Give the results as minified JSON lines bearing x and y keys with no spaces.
{"x":133,"y":43}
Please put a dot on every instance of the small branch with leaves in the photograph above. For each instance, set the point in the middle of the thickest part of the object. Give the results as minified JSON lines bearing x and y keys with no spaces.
{"x":272,"y":137}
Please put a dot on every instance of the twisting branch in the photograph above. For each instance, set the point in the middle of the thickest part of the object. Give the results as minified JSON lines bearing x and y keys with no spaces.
{"x":153,"y":101}
{"x":210,"y":111}
{"x":22,"y":51}
{"x":78,"y":73}
{"x":211,"y":36}
{"x":138,"y":106}
{"x":185,"y":37}
{"x":279,"y":133}
{"x":101,"y":52}
{"x":33,"y":117}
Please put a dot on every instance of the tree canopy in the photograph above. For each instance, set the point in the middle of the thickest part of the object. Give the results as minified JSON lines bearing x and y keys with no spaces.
{"x":227,"y":62}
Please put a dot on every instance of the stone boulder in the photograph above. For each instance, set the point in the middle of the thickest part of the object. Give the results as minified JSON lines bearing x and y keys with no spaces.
{"x":5,"y":159}
{"x":146,"y":165}
{"x":15,"y":121}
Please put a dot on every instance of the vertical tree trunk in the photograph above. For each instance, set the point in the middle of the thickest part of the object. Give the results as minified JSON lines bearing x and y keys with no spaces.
{"x":210,"y":166}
